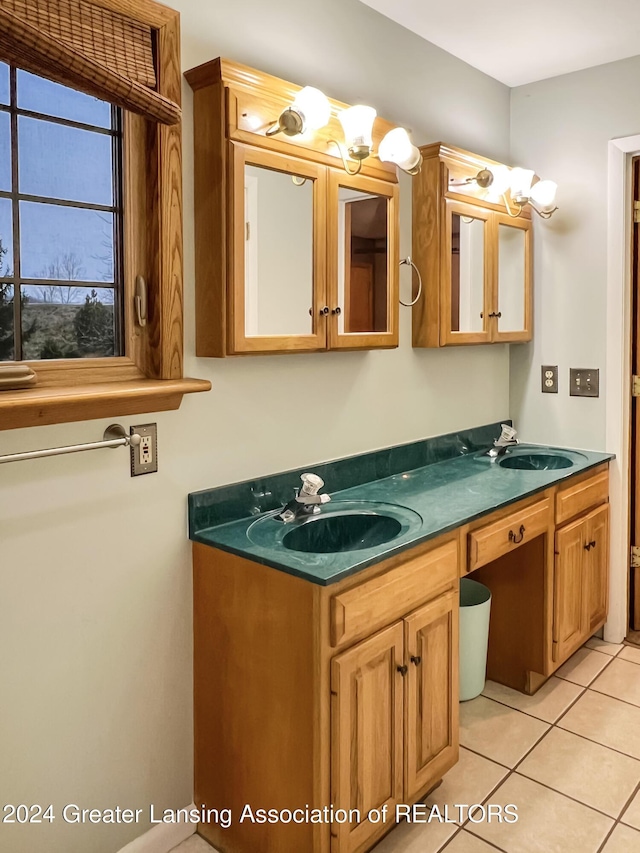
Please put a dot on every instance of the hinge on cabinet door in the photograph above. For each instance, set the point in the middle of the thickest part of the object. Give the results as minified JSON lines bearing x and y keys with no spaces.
{"x":247,"y":230}
{"x":635,"y":386}
{"x":636,"y":211}
{"x":635,"y":557}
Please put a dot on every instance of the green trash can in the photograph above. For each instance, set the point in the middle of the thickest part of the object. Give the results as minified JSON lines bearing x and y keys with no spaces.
{"x":475,"y":606}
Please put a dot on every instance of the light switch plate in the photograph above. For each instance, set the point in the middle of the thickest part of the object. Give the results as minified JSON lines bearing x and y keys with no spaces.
{"x":584,"y":382}
{"x":549,"y":378}
{"x":144,"y":457}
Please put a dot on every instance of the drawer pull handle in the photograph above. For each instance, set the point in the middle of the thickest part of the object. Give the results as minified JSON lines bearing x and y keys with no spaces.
{"x":416,"y":659}
{"x":403,"y":670}
{"x":517,"y":538}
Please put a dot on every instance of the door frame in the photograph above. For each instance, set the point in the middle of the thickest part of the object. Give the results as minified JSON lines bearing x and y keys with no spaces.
{"x":618,"y":376}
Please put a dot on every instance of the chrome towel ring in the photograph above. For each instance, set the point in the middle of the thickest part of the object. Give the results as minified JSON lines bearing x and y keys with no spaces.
{"x":409,"y":262}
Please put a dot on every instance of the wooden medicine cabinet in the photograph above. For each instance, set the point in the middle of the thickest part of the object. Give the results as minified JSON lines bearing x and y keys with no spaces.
{"x":474,"y":258}
{"x":293,"y":254}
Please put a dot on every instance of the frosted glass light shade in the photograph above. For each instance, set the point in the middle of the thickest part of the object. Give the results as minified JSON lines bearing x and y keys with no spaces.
{"x":357,"y":124}
{"x":314,"y":107}
{"x":501,"y":180}
{"x":396,"y":147}
{"x":543,"y":193}
{"x":521,"y":183}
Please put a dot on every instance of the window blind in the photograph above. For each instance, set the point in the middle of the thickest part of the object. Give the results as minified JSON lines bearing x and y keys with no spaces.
{"x":88,"y":47}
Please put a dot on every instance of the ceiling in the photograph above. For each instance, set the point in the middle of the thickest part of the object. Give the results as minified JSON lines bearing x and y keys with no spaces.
{"x":518,"y":42}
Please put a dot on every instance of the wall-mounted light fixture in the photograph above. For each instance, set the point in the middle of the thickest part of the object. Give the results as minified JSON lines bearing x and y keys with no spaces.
{"x":310,"y":110}
{"x":522,"y":185}
{"x":396,"y":147}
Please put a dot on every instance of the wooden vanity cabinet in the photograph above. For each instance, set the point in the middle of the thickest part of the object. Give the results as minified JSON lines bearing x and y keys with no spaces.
{"x":345,"y":695}
{"x":292,"y":253}
{"x":581,"y":582}
{"x":476,"y":261}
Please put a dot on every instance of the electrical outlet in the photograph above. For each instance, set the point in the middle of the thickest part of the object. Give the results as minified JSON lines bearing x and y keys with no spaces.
{"x":584,"y":382}
{"x":144,"y":457}
{"x":549,"y":378}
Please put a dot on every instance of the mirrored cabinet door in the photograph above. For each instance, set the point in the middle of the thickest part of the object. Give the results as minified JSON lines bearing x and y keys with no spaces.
{"x":277,"y":261}
{"x":466,"y":275}
{"x":363,"y":262}
{"x":513,"y":279}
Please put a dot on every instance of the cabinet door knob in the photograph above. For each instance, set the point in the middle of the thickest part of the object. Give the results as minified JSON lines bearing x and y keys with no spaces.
{"x":516,"y":538}
{"x":403,"y":670}
{"x":416,"y":659}
{"x":590,"y":545}
{"x":324,"y":310}
{"x":337,"y":310}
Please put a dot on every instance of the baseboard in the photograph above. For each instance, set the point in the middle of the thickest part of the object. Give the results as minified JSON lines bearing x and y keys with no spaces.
{"x":161,"y":838}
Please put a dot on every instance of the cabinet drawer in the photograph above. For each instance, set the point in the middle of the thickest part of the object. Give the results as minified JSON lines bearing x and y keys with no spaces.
{"x":580,"y":497}
{"x":492,"y":541}
{"x":363,"y":609}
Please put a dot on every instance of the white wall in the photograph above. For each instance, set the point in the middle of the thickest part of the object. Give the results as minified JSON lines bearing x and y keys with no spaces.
{"x":561,"y":128}
{"x":95,"y":595}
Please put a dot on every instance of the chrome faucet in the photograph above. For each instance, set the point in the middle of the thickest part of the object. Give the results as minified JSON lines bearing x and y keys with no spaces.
{"x":306,"y":501}
{"x":506,"y":439}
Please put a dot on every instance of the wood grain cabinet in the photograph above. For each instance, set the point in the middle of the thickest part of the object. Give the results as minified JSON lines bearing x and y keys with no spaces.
{"x":394,"y":716}
{"x":581,"y":581}
{"x":343,"y":696}
{"x":475,"y":260}
{"x":292,"y":253}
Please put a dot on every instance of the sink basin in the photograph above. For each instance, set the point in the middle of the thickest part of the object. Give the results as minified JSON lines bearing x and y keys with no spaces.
{"x":340,"y":526}
{"x":349,"y":531}
{"x":536,"y":461}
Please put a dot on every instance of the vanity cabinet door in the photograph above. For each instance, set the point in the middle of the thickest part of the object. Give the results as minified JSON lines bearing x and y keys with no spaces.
{"x":597,"y":567}
{"x":277,"y":258}
{"x":366,"y":733}
{"x":569,"y":589}
{"x":431,"y":708}
{"x":512,"y":299}
{"x":363,"y":262}
{"x":466,"y":275}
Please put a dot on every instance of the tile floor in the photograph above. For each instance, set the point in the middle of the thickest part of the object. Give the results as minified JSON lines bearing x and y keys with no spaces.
{"x":568,"y":758}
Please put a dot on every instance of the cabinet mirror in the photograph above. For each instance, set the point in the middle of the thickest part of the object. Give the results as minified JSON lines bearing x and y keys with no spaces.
{"x":467,"y":273}
{"x":513,"y":277}
{"x":363,"y":261}
{"x":277,"y":262}
{"x":362,"y":222}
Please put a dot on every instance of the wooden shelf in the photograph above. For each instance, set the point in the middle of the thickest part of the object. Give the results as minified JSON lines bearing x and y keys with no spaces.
{"x":63,"y":404}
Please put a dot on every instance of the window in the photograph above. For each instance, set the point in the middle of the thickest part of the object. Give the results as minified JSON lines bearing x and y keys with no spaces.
{"x":61,"y":249}
{"x":126,"y":55}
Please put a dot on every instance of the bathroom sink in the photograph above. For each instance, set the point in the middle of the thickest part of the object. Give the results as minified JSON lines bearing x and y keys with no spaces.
{"x":536,"y":461}
{"x":340,"y":526}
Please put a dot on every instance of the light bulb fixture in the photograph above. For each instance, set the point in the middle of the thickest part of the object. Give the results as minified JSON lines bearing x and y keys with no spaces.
{"x":396,"y":147}
{"x":524,"y":187}
{"x":310,"y":110}
{"x":357,"y":124}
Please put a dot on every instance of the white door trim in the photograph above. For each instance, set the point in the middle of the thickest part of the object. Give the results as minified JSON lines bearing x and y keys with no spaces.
{"x":618,"y":375}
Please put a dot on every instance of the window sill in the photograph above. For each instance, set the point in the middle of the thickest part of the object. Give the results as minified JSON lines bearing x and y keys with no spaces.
{"x":65,"y":403}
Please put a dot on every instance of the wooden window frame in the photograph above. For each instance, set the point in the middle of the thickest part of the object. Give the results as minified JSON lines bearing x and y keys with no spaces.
{"x":148,"y":377}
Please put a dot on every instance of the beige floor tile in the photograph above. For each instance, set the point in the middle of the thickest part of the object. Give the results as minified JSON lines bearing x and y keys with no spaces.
{"x":416,"y":838}
{"x":621,"y":679}
{"x":605,"y":720}
{"x":632,"y":814}
{"x":622,"y":840}
{"x":600,"y":646}
{"x":195,"y":844}
{"x":464,"y":842}
{"x":593,"y":774}
{"x":547,"y":704}
{"x":547,"y":821}
{"x":584,"y":666}
{"x":631,"y":653}
{"x":470,"y":781}
{"x":497,"y":732}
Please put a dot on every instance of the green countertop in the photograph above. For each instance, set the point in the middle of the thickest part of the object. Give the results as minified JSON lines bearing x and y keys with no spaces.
{"x":436,"y":498}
